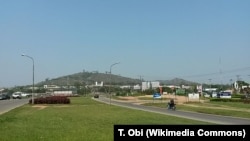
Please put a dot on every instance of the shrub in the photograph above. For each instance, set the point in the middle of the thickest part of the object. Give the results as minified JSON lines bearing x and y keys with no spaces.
{"x":226,"y":99}
{"x":51,"y":100}
{"x":96,"y":96}
{"x":237,"y":95}
{"x":246,"y":101}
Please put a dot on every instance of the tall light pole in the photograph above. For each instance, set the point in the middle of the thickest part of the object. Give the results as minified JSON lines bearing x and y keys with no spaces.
{"x":141,"y":81}
{"x":210,"y":83}
{"x":110,"y":80}
{"x":33,"y":76}
{"x":231,"y":83}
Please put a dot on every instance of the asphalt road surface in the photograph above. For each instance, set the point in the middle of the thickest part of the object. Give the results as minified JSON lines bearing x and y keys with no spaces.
{"x":7,"y":105}
{"x":214,"y":119}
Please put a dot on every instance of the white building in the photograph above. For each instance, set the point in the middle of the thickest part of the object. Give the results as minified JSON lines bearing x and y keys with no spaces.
{"x":1,"y":90}
{"x":137,"y":87}
{"x":185,"y":87}
{"x":125,"y":87}
{"x":51,"y":87}
{"x":99,"y":84}
{"x":149,"y":85}
{"x":62,"y":93}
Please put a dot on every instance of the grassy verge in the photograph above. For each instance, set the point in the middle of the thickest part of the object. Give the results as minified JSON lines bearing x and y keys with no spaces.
{"x":83,"y":119}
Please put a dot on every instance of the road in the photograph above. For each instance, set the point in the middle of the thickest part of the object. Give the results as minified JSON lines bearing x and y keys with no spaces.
{"x":7,"y":105}
{"x":215,"y":119}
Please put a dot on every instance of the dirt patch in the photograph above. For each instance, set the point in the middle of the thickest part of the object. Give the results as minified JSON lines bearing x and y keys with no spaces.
{"x":127,"y":98}
{"x":61,"y":106}
{"x":40,"y":107}
{"x":137,"y":100}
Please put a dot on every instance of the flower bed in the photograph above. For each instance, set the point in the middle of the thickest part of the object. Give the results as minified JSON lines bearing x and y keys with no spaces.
{"x":51,"y":100}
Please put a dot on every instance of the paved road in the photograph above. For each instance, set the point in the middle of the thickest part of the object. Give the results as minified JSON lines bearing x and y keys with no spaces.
{"x":7,"y":105}
{"x":224,"y":120}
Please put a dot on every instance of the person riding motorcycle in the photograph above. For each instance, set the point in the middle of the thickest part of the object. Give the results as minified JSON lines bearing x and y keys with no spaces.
{"x":171,"y":104}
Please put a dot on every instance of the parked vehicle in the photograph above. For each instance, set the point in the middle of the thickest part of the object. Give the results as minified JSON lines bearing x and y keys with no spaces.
{"x":25,"y":95}
{"x":4,"y":96}
{"x":16,"y":95}
{"x":206,"y":94}
{"x":224,"y":95}
{"x":215,"y":95}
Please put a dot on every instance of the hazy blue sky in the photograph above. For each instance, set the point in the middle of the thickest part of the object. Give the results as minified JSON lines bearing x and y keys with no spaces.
{"x":196,"y":40}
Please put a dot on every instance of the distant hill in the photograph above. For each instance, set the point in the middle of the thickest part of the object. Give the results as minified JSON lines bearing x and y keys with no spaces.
{"x":89,"y":78}
{"x":177,"y":81}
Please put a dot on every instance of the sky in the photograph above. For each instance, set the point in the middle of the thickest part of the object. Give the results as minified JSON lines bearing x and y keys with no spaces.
{"x":205,"y":41}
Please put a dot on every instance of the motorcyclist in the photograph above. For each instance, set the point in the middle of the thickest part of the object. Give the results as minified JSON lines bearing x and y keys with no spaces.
{"x":171,"y":104}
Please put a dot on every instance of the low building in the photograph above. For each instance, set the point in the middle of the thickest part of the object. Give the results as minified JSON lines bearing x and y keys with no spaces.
{"x":62,"y":93}
{"x":150,"y":85}
{"x":51,"y":87}
{"x":137,"y":87}
{"x":99,"y":84}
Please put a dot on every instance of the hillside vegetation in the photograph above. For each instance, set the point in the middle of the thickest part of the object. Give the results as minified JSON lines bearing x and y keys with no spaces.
{"x":89,"y":78}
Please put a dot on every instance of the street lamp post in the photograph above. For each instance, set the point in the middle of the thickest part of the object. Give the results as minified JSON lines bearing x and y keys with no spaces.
{"x":110,"y":80}
{"x":210,"y":83}
{"x":33,"y":76}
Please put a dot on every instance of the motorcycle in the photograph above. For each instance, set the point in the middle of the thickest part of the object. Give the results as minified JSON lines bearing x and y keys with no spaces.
{"x":171,"y":107}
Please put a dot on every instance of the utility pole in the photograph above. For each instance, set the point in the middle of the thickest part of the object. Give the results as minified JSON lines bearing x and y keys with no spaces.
{"x":237,"y":81}
{"x":210,"y":82}
{"x":141,"y":81}
{"x":238,"y":77}
{"x":231,"y":84}
{"x":220,"y":75}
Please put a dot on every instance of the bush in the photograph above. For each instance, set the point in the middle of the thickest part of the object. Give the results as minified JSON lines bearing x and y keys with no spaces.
{"x":237,"y":96}
{"x":226,"y":99}
{"x":246,"y":101}
{"x":122,"y":94}
{"x":51,"y":100}
{"x":96,"y":96}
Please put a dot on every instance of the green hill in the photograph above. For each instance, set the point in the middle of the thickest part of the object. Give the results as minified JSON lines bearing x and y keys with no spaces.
{"x":89,"y":78}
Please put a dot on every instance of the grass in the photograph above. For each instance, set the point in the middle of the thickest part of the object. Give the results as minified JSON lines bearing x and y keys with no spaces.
{"x":83,"y":119}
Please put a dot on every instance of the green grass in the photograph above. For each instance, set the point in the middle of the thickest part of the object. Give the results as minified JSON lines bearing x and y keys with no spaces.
{"x":83,"y":119}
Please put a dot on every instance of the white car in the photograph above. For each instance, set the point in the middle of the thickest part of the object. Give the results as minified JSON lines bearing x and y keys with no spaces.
{"x":25,"y":95}
{"x":16,"y":95}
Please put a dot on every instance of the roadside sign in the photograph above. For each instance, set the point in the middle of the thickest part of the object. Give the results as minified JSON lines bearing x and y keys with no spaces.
{"x":156,"y":95}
